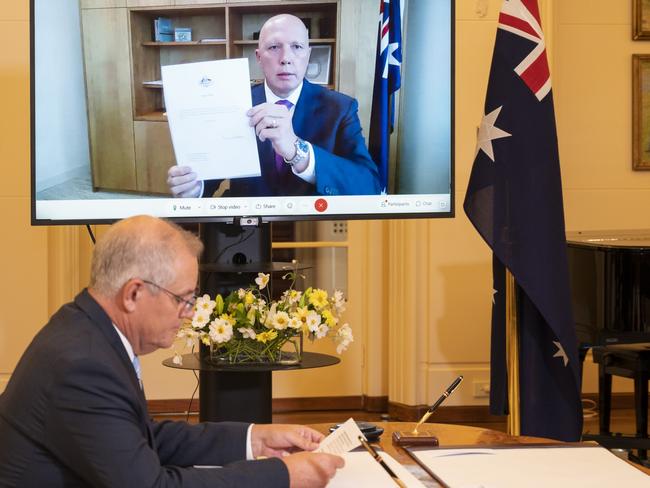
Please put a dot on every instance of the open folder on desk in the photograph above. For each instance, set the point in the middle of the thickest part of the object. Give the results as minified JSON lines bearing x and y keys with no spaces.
{"x":530,"y":467}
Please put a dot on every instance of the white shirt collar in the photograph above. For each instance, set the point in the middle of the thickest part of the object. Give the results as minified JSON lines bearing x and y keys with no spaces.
{"x":126,"y":343}
{"x":272,"y":97}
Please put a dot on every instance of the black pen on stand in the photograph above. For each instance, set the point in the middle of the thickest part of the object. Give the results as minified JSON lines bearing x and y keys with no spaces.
{"x":378,"y":458}
{"x":443,"y":397}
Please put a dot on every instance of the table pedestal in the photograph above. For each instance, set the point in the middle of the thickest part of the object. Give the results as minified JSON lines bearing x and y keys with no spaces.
{"x":235,"y":396}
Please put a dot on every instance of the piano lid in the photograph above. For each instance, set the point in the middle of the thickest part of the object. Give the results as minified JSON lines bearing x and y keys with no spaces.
{"x":609,"y":239}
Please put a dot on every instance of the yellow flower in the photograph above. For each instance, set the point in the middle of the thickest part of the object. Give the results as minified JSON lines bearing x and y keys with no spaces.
{"x":205,"y":340}
{"x":228,"y":318}
{"x":269,"y":335}
{"x":318,"y":298}
{"x":249,"y":298}
{"x":329,"y":318}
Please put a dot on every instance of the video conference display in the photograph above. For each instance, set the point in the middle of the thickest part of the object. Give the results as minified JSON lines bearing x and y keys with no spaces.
{"x":102,"y":148}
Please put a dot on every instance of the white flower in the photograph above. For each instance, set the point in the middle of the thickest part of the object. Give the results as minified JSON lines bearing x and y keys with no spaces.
{"x":339,"y":302}
{"x":291,"y":296}
{"x":247,"y":332}
{"x":220,"y":331}
{"x":313,"y":321}
{"x":262,"y":280}
{"x":200,"y":319}
{"x":178,"y":359}
{"x":295,"y":323}
{"x":241,"y":293}
{"x":343,"y":338}
{"x":322,"y":331}
{"x":204,"y":304}
{"x":281,"y":320}
{"x":267,"y":319}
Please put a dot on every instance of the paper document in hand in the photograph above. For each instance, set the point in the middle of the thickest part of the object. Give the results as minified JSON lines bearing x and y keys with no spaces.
{"x":342,"y":440}
{"x":206,"y":107}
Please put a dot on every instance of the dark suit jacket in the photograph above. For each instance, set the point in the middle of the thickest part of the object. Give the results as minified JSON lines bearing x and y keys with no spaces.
{"x":329,"y":121}
{"x":73,"y":414}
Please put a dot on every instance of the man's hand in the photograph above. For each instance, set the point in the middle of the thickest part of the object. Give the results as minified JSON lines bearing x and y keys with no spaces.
{"x":277,"y":440}
{"x":273,"y":122}
{"x":311,"y":469}
{"x":182,"y":182}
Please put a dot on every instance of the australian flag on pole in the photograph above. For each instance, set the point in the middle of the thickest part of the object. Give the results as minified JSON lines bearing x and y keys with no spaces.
{"x":387,"y":82}
{"x":514,"y":199}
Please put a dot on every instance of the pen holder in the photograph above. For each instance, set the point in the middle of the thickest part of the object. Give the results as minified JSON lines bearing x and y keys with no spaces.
{"x":408,"y":438}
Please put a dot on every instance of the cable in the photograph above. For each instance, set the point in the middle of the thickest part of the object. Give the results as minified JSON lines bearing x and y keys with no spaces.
{"x":589,"y":408}
{"x":90,"y":232}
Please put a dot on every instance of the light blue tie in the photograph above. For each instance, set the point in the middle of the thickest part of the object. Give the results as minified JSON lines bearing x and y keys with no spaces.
{"x":138,"y":370}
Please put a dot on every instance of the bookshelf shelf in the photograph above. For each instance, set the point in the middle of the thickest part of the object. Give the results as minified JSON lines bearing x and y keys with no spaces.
{"x":184,"y":44}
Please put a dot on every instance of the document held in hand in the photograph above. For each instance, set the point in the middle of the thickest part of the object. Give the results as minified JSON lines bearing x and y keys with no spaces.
{"x":206,"y":107}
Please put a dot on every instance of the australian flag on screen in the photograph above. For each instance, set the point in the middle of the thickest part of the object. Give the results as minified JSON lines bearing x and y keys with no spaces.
{"x":514,"y":199}
{"x":387,"y":82}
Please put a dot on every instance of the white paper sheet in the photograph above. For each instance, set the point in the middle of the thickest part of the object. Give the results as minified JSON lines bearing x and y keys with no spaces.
{"x":206,"y":107}
{"x":593,"y":467}
{"x":362,"y":470}
{"x":342,"y":440}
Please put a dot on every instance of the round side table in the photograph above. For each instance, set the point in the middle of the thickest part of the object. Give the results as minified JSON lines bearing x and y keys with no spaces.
{"x":241,"y":392}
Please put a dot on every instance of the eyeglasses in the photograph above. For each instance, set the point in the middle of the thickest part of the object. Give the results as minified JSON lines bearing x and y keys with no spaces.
{"x":188,"y":304}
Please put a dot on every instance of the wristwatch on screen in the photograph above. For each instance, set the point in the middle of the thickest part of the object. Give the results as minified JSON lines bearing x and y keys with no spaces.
{"x":302,"y":151}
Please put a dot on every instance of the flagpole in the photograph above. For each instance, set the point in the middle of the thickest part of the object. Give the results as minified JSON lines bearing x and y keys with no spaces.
{"x":512,"y":355}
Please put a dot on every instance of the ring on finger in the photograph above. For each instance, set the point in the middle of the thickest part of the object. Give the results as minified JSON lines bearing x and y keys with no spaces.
{"x":274,"y":123}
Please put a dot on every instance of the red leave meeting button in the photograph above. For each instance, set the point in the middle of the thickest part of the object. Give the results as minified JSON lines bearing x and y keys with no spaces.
{"x":320,"y":205}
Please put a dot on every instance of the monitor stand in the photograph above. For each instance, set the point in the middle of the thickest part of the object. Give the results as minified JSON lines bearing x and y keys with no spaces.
{"x":233,"y":256}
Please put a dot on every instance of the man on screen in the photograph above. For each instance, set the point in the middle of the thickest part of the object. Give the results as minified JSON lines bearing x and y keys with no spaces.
{"x":74,"y":412}
{"x":309,"y":137}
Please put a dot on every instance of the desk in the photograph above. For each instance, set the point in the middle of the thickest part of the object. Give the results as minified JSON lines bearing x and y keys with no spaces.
{"x":241,"y":392}
{"x":448,"y":435}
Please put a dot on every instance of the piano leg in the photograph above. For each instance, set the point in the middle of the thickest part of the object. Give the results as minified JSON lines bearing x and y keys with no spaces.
{"x":604,"y":398}
{"x":641,"y":408}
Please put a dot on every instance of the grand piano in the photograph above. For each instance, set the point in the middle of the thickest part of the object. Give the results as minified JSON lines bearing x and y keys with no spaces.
{"x":610,"y":283}
{"x":610,"y":287}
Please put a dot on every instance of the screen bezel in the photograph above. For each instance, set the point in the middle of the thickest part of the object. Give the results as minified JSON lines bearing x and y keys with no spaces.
{"x":261,"y":218}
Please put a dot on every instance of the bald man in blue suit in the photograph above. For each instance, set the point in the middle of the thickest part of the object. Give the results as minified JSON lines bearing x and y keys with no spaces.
{"x":309,"y":138}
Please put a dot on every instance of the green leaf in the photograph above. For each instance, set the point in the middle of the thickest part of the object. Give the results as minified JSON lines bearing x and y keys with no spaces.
{"x":219,"y":307}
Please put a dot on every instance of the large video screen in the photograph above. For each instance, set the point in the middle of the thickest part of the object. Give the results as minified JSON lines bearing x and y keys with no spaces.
{"x":113,"y":90}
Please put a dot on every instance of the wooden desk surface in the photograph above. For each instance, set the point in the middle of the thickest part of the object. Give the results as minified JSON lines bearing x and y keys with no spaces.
{"x":448,"y":435}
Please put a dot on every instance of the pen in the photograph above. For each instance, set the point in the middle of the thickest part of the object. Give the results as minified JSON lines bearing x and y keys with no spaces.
{"x":378,"y":458}
{"x":442,"y":398}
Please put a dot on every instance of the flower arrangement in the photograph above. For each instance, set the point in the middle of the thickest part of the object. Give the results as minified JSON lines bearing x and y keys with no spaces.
{"x":248,"y":327}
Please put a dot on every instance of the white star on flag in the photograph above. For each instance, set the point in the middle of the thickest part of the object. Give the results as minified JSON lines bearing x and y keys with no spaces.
{"x":487,"y":132}
{"x":390,"y":59}
{"x":561,"y":353}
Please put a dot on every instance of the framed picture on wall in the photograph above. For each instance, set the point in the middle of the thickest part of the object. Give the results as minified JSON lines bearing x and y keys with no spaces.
{"x":641,"y":111}
{"x":318,"y":69}
{"x":641,"y":19}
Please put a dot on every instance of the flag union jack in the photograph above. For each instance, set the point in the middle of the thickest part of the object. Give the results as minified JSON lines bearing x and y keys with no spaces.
{"x":521,"y":17}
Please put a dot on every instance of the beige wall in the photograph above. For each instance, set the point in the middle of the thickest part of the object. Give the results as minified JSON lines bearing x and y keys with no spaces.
{"x":420,"y":299}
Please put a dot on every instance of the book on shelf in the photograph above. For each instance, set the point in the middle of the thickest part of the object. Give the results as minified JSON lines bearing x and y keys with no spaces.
{"x":162,"y":30}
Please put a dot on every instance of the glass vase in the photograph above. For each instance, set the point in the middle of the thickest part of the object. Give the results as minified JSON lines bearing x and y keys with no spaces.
{"x":283,"y":350}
